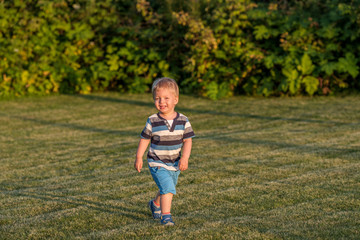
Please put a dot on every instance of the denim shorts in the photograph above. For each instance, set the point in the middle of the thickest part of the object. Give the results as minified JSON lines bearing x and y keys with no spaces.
{"x":165,"y":180}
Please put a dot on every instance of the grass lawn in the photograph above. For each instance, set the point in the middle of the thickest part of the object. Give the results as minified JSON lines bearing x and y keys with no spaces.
{"x":277,"y":168}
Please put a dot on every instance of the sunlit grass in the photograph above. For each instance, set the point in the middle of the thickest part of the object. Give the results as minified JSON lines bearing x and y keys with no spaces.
{"x":277,"y":168}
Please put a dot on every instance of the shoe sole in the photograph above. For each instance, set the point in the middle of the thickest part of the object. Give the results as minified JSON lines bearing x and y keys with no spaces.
{"x":168,"y":224}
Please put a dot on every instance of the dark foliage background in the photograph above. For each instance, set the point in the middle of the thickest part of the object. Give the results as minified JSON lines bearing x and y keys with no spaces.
{"x":213,"y":48}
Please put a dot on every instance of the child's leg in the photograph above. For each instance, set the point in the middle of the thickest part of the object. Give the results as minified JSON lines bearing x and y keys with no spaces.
{"x":165,"y":203}
{"x":154,"y":205}
{"x":157,"y":198}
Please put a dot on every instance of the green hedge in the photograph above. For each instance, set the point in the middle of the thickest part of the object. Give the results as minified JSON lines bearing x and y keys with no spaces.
{"x":214,"y":48}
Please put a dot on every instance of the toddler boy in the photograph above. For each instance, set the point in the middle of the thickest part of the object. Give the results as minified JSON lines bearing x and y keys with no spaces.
{"x":169,"y":132}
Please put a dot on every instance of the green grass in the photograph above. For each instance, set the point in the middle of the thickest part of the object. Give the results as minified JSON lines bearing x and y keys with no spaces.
{"x":278,"y":168}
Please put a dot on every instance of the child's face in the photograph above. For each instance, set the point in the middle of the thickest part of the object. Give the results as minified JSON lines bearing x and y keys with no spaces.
{"x":165,"y":101}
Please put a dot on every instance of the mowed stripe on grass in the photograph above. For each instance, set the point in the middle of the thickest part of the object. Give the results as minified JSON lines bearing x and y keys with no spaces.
{"x":260,"y":169}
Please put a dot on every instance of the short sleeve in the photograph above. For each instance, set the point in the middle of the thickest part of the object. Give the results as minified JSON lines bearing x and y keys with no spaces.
{"x":188,"y":132}
{"x":147,"y":131}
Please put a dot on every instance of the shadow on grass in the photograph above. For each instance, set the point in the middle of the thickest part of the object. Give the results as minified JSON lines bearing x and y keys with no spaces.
{"x":323,"y":151}
{"x":211,"y":112}
{"x":93,"y":205}
{"x":75,"y":126}
{"x":151,"y":105}
{"x":328,"y":152}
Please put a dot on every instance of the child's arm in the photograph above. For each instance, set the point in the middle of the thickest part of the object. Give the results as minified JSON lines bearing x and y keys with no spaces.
{"x":143,"y":144}
{"x":184,"y":160}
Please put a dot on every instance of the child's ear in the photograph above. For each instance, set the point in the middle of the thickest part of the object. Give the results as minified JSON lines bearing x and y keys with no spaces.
{"x":176,"y":99}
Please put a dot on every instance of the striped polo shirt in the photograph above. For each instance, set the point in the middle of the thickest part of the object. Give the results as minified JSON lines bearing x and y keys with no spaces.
{"x":166,"y":140}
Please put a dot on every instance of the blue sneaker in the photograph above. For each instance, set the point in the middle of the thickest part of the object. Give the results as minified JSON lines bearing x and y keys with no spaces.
{"x":156,"y":211}
{"x":166,"y":220}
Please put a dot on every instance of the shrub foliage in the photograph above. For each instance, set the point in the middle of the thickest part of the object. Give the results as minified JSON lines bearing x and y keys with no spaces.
{"x":215,"y":48}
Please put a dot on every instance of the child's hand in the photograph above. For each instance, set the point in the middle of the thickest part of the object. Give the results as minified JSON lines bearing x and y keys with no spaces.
{"x":138,"y":164}
{"x":183,"y":164}
{"x":143,"y":144}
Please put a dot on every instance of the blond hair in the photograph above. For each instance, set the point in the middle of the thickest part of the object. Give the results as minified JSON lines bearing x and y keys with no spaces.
{"x":167,"y":83}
